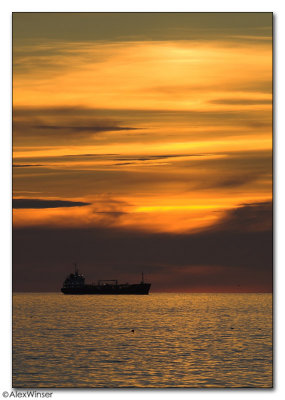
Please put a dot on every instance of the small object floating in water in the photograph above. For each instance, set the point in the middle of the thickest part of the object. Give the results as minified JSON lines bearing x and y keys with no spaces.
{"x":232,"y":327}
{"x":133,"y":330}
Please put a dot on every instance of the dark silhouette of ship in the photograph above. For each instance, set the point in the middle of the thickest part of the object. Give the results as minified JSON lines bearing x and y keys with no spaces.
{"x":75,"y":284}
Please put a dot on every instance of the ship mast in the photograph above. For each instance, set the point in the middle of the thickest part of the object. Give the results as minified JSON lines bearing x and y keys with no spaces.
{"x":75,"y":268}
{"x":142,"y":278}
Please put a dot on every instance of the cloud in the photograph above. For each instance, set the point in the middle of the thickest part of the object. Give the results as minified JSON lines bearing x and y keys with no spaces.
{"x":40,"y":203}
{"x":234,"y":255}
{"x":54,"y":126}
{"x":242,"y":102}
{"x":136,"y":173}
{"x":80,"y":129}
{"x":27,"y":165}
{"x":258,"y":86}
{"x":106,"y":157}
{"x":78,"y":27}
{"x":229,"y":169}
{"x":27,"y":129}
{"x":234,"y":181}
{"x":28,"y":121}
{"x":69,"y":111}
{"x":247,"y":218}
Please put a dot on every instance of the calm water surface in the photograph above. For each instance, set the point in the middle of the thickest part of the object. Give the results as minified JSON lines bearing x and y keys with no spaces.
{"x":180,"y":340}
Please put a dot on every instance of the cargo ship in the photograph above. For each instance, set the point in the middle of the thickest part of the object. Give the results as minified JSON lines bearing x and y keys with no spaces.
{"x":75,"y":284}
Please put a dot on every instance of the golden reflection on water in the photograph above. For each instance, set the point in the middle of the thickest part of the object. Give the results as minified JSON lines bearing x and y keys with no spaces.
{"x":179,"y":340}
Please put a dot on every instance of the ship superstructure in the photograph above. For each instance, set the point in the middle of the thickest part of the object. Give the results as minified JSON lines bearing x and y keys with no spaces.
{"x":75,"y":284}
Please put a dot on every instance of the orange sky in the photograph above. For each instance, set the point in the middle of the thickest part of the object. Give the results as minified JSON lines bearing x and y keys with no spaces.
{"x":228,"y":80}
{"x":164,"y":127}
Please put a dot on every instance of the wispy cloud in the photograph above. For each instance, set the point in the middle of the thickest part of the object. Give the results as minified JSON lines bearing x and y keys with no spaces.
{"x":80,"y":129}
{"x":27,"y":165}
{"x":241,"y":102}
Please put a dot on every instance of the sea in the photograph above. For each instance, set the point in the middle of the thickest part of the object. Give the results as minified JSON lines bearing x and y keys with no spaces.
{"x":163,"y":340}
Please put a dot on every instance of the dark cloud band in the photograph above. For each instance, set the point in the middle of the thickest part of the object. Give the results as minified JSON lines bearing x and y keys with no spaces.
{"x":39,"y":203}
{"x":236,"y":253}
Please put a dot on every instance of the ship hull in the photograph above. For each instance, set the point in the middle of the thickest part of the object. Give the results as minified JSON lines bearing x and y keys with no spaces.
{"x":140,"y":289}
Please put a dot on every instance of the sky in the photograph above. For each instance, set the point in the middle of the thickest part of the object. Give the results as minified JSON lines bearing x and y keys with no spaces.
{"x":143,"y":142}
